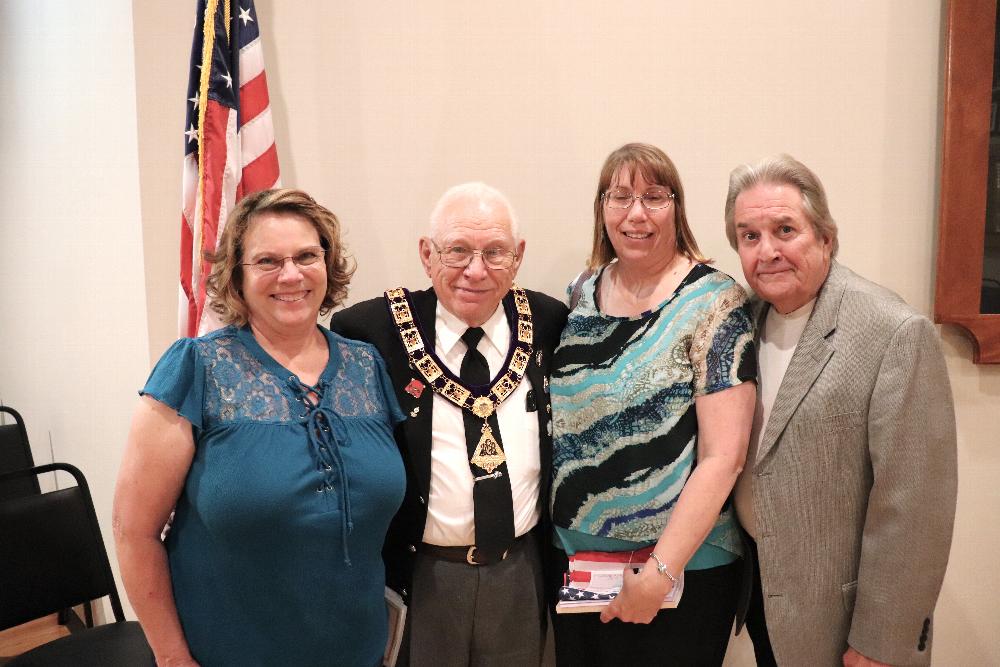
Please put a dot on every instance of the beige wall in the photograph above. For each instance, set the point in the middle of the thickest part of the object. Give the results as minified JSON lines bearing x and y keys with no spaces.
{"x":73,"y":330}
{"x":380,"y":106}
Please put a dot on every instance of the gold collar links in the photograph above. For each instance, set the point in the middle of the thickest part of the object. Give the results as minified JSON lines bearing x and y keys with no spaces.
{"x":481,"y":401}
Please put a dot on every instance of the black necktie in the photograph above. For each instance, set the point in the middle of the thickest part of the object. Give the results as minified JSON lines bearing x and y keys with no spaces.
{"x":494,"y":508}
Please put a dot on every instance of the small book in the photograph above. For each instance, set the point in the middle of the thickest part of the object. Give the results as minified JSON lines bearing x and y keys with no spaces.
{"x":396,"y":610}
{"x":594,"y":579}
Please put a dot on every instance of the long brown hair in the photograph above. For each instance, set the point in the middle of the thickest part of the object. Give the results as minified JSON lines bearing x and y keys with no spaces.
{"x":655,"y":167}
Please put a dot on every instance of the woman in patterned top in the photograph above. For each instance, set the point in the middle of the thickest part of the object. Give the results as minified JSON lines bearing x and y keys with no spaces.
{"x":272,"y":438}
{"x":652,"y":396}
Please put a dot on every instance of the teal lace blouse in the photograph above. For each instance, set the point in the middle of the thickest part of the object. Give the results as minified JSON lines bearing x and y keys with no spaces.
{"x":275,"y":547}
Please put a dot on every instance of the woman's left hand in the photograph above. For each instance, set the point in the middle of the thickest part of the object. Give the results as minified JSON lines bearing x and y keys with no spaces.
{"x":640,"y":598}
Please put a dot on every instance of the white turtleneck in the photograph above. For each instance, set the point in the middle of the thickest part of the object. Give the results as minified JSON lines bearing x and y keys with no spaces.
{"x":778,"y":340}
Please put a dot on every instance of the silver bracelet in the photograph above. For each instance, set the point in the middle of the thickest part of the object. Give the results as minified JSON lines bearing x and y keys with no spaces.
{"x":662,"y":569}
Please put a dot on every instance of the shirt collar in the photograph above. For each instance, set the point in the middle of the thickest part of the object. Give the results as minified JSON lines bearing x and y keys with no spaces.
{"x":800,"y":313}
{"x":449,"y":329}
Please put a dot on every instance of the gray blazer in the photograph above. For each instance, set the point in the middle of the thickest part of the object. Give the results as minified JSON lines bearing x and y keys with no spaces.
{"x":855,"y":482}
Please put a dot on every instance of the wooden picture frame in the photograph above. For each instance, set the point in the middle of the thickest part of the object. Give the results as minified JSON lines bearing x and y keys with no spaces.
{"x":964,"y":164}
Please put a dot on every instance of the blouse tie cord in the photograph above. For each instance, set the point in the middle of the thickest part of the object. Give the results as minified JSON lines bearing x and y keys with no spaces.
{"x":322,"y":425}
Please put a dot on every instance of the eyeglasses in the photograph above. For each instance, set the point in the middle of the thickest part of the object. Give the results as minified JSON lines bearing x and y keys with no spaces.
{"x":620,"y":198}
{"x":459,"y":257}
{"x":269,"y":264}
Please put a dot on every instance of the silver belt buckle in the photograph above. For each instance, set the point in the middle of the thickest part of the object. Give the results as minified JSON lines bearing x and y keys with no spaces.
{"x":470,"y":561}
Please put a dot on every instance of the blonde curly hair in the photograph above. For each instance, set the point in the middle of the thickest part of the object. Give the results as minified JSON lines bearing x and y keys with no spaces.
{"x":225,"y":283}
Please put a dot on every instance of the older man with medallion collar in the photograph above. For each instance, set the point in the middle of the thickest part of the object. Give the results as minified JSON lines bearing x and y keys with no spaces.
{"x":469,"y":363}
{"x":848,"y":491}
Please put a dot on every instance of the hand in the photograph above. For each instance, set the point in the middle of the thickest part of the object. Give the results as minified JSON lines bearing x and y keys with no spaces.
{"x":190,"y":662}
{"x":854,"y":659}
{"x":640,"y":597}
{"x":178,"y":661}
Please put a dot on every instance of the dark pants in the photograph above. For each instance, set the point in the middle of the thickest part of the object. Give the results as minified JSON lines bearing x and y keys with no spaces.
{"x":756,"y":623}
{"x":477,"y":616}
{"x":696,"y":633}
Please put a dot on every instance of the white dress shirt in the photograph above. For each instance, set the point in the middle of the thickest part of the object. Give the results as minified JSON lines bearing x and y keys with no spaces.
{"x":778,"y":339}
{"x":450,"y":509}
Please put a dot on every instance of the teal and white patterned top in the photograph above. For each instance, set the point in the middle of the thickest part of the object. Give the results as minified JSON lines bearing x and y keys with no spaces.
{"x":625,"y":431}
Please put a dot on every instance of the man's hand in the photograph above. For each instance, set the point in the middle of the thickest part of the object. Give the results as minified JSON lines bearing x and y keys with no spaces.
{"x":854,"y":659}
{"x":640,"y":598}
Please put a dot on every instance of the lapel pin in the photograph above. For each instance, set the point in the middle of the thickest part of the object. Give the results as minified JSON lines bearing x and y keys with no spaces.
{"x":415,"y":411}
{"x":415,"y":388}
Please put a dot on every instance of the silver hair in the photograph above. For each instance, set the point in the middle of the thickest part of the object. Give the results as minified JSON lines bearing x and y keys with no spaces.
{"x":783,"y":169}
{"x":476,"y":191}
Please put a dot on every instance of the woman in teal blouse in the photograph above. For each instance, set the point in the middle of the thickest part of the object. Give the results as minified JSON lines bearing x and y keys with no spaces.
{"x":652,"y":401}
{"x":272,"y":439}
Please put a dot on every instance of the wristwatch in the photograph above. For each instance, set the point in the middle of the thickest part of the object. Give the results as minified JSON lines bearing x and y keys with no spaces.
{"x":662,"y":569}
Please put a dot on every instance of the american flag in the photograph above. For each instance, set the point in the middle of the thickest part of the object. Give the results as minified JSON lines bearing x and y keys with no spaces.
{"x":228,"y":142}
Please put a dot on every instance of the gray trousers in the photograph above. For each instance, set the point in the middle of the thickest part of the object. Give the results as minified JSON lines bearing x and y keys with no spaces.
{"x":478,"y":616}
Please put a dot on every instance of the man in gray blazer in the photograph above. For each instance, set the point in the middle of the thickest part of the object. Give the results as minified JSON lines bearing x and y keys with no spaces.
{"x":848,"y":492}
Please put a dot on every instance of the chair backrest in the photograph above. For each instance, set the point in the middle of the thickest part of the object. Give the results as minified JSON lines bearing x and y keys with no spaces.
{"x":15,"y":454}
{"x":52,"y":554}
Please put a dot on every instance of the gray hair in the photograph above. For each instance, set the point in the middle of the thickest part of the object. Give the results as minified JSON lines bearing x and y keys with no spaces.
{"x":477,"y":191}
{"x":783,"y":169}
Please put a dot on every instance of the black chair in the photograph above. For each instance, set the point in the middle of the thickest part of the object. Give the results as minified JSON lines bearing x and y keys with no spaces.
{"x":15,"y":454}
{"x":52,"y":557}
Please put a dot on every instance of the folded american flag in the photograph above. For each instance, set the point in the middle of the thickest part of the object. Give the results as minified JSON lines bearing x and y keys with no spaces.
{"x":594,"y":579}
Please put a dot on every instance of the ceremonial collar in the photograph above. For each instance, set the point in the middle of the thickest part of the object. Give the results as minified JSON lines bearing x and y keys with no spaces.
{"x":481,"y":400}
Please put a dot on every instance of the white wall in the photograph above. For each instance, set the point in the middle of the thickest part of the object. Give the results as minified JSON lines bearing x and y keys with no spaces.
{"x":380,"y":106}
{"x":73,"y":334}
